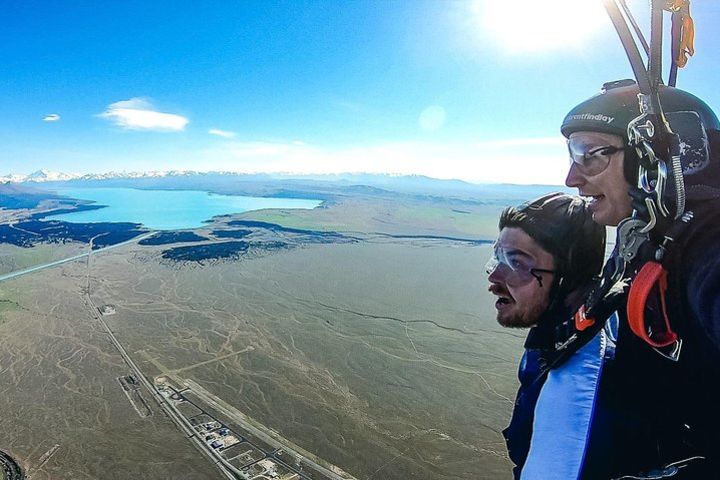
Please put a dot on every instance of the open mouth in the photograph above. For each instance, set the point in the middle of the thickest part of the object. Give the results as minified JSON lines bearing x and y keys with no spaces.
{"x":503,"y":297}
{"x":503,"y":301}
{"x":593,"y":199}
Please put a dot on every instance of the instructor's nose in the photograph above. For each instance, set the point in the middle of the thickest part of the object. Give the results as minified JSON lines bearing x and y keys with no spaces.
{"x":574,"y":178}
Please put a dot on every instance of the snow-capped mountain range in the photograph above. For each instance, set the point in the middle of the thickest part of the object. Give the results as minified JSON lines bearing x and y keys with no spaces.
{"x":44,"y":175}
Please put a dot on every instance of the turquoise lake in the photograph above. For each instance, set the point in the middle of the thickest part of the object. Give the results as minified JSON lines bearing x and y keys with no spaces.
{"x":167,"y":209}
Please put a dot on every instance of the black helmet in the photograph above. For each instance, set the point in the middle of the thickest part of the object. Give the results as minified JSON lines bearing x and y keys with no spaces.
{"x":616,"y":105}
{"x":563,"y":226}
{"x":692,"y":119}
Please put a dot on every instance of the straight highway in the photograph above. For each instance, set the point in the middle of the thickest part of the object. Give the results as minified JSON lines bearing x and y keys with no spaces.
{"x":13,"y":472}
{"x":36,"y":268}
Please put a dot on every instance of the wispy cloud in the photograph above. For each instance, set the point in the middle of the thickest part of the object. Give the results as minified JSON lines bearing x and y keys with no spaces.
{"x":221,"y":133}
{"x":140,"y":114}
{"x":52,"y":117}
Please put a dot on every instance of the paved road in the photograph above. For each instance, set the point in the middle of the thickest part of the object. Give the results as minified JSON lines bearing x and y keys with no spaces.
{"x":12,"y":470}
{"x":18,"y":273}
{"x":228,"y":470}
{"x":262,"y":433}
{"x":8,"y":467}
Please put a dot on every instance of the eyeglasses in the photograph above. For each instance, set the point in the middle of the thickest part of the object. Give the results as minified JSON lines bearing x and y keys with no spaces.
{"x":592,"y":161}
{"x":514,"y":268}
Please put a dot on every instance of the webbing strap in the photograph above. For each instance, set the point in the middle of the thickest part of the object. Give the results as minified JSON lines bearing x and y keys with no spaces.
{"x":682,"y":36}
{"x":687,"y":40}
{"x":582,"y":321}
{"x":650,"y":276}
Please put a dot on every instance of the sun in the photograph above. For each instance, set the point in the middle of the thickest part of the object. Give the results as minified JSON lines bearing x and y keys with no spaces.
{"x":531,"y":26}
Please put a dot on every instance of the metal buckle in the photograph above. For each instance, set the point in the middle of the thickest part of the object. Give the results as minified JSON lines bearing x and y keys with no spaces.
{"x":563,"y":345}
{"x":656,"y":188}
{"x":673,"y":350}
{"x":631,"y":236}
{"x":639,"y":135}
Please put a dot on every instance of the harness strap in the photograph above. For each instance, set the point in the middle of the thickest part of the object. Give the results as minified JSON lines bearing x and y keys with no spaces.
{"x":682,"y":36}
{"x":651,"y":277}
{"x":582,"y":320}
{"x":629,"y":45}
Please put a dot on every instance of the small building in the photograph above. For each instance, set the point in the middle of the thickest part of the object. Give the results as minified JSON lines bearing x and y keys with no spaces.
{"x":107,"y":310}
{"x":212,"y":425}
{"x":269,"y":466}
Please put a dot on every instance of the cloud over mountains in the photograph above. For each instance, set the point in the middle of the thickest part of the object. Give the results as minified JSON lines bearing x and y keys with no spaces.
{"x":140,"y":114}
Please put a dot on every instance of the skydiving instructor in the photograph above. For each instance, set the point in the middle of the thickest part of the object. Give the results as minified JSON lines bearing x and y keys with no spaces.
{"x":662,"y":390}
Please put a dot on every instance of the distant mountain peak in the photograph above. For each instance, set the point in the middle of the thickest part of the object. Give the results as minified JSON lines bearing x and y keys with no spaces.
{"x":45,"y":175}
{"x":42,"y":175}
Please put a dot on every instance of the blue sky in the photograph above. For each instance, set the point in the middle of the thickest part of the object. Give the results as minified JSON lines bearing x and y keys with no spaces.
{"x":450,"y":89}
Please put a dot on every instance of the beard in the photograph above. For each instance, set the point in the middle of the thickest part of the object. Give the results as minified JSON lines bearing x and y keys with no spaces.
{"x":520,"y":318}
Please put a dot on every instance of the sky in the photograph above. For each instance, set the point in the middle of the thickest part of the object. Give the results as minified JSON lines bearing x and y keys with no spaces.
{"x":472,"y":90}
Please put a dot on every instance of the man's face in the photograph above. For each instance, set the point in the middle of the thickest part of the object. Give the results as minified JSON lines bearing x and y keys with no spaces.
{"x":608,"y":188}
{"x":521,"y":297}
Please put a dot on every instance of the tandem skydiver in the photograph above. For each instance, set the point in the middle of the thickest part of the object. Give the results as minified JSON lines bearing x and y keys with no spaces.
{"x":663,"y":388}
{"x":546,"y":258}
{"x":643,"y":406}
{"x":647,"y":154}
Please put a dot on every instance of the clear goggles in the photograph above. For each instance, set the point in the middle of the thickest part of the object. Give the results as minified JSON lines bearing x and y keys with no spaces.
{"x":514,"y":268}
{"x":591,"y":159}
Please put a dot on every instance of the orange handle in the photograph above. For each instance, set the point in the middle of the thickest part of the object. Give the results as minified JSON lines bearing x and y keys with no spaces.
{"x":651,"y":274}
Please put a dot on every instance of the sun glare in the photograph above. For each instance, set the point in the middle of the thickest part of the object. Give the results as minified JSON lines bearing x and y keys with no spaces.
{"x":531,"y":26}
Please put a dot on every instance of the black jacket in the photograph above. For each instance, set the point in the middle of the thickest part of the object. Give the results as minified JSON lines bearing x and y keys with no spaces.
{"x":660,"y":411}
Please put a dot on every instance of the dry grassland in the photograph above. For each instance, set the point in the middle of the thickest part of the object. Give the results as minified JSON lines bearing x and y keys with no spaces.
{"x":381,"y":357}
{"x":64,"y":415}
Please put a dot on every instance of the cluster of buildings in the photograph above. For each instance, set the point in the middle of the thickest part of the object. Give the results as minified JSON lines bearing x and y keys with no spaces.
{"x":217,"y":436}
{"x":220,"y":438}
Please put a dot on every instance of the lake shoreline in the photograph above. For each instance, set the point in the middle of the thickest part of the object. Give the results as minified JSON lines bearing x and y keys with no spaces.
{"x":167,"y":210}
